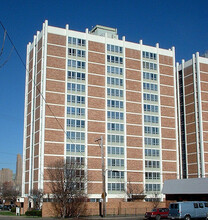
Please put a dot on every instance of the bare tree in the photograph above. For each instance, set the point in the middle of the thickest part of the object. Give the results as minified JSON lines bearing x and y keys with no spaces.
{"x":37,"y":196}
{"x":68,"y":187}
{"x":134,"y":192}
{"x":9,"y":193}
{"x":156,"y":200}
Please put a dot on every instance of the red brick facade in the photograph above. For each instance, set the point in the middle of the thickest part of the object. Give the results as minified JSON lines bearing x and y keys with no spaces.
{"x":50,"y":114}
{"x":194,"y":75}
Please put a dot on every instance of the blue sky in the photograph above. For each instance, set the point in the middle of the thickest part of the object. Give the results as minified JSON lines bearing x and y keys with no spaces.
{"x":178,"y":23}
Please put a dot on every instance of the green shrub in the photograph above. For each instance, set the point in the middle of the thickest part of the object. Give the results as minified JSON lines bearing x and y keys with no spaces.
{"x":13,"y":209}
{"x":34,"y":213}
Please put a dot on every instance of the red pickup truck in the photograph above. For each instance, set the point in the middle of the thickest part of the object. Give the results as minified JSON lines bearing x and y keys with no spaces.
{"x":157,"y":213}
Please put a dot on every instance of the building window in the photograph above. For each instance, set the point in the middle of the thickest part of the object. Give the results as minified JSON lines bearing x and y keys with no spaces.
{"x":75,"y":148}
{"x":150,"y":108}
{"x":78,"y":136}
{"x":116,"y":150}
{"x":115,"y":70}
{"x":76,"y":64}
{"x":115,"y":59}
{"x":80,"y":161}
{"x":115,"y":127}
{"x":114,"y":104}
{"x":76,"y":52}
{"x":75,"y":123}
{"x":113,"y":48}
{"x":115,"y":139}
{"x":76,"y":41}
{"x":149,"y":66}
{"x":150,"y":97}
{"x":152,"y":164}
{"x":151,"y":141}
{"x":150,"y":76}
{"x":76,"y":99}
{"x":150,"y":86}
{"x":151,"y":130}
{"x":114,"y":174}
{"x":114,"y":81}
{"x":148,"y":55}
{"x":75,"y":87}
{"x":152,"y":187}
{"x":151,"y":119}
{"x":76,"y":75}
{"x":115,"y":115}
{"x":152,"y":175}
{"x":115,"y":92}
{"x":115,"y":162}
{"x":115,"y":186}
{"x":152,"y":153}
{"x":75,"y":111}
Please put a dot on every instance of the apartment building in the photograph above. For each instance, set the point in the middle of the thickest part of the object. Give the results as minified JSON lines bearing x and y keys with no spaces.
{"x":94,"y":84}
{"x":193,"y":116}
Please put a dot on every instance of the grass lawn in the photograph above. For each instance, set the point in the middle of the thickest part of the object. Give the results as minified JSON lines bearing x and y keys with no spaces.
{"x":7,"y":213}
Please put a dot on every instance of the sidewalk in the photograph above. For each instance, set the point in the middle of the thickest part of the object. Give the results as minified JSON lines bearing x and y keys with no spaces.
{"x":138,"y":217}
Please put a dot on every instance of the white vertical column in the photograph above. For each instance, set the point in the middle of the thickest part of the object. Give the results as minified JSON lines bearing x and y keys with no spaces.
{"x":66,"y":80}
{"x":175,"y":77}
{"x":196,"y":115}
{"x":25,"y":119}
{"x":86,"y":106}
{"x":42,"y":101}
{"x":142,"y":108}
{"x":40,"y":117}
{"x":125,"y":137}
{"x":201,"y":144}
{"x":33,"y":106}
{"x":160,"y":127}
{"x":106,"y":120}
{"x":179,"y":151}
{"x":184,"y":110}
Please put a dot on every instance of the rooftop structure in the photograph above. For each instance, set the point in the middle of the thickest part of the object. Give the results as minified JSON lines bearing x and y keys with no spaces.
{"x":102,"y":30}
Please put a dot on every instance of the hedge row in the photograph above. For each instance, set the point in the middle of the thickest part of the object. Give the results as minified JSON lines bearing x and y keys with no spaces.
{"x":34,"y":213}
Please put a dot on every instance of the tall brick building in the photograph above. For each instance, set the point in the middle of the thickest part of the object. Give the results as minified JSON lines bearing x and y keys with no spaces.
{"x":97,"y":85}
{"x":193,"y":116}
{"x":18,"y":176}
{"x":6,"y":175}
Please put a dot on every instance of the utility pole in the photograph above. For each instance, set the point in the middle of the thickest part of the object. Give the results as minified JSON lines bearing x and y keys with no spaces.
{"x":103,"y":175}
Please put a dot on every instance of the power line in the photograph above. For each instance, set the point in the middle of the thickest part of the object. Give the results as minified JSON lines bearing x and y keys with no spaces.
{"x":2,"y":48}
{"x":7,"y":58}
{"x":14,"y":46}
{"x":37,"y":86}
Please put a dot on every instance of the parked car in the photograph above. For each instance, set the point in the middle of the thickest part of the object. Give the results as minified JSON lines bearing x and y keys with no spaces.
{"x":1,"y":206}
{"x":188,"y":210}
{"x":7,"y":207}
{"x":157,"y":213}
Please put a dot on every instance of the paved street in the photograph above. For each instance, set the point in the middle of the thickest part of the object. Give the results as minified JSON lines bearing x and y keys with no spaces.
{"x":21,"y":218}
{"x":88,"y":218}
